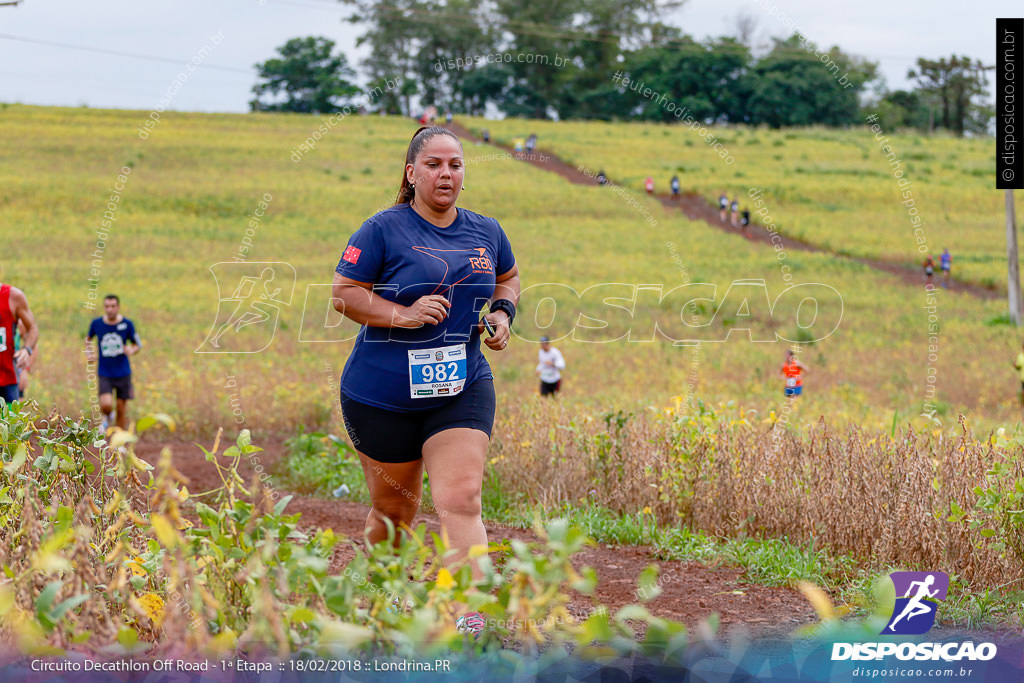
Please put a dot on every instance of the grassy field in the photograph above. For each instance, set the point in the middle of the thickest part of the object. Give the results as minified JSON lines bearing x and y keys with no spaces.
{"x":696,"y":421}
{"x":195,"y":184}
{"x":832,"y":188}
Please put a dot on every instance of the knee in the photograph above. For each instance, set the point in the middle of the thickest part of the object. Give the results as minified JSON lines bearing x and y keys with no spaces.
{"x":398,"y":511}
{"x":462,"y":500}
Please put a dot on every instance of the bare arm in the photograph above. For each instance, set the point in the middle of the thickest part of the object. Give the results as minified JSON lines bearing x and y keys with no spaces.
{"x":506,"y":287}
{"x":23,"y":314}
{"x":356,"y":300}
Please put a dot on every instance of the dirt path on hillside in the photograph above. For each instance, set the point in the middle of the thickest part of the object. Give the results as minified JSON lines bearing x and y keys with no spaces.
{"x":698,"y":208}
{"x":691,"y":591}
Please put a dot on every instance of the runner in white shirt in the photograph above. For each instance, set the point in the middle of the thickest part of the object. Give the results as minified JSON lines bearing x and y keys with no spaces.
{"x":549,"y":365}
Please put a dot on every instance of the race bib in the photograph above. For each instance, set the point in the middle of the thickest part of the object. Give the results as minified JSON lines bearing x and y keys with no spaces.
{"x":437,"y":372}
{"x":3,"y":338}
{"x":791,"y":381}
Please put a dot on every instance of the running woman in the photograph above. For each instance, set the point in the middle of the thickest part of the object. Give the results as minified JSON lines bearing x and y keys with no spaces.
{"x":14,"y":310}
{"x":118,"y":342}
{"x":416,"y":391}
{"x":792,"y":370}
{"x":929,"y":269}
{"x":723,"y":206}
{"x":549,"y":366}
{"x":946,"y":263}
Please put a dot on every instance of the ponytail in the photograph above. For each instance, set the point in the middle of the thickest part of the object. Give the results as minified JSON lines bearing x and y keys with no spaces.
{"x":406,"y":191}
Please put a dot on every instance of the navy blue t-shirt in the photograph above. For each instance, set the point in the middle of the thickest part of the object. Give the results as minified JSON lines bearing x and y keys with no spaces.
{"x":407,"y":257}
{"x":112,"y":338}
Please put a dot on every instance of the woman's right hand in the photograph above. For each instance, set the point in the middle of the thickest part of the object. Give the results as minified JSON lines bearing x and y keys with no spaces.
{"x":427,"y":310}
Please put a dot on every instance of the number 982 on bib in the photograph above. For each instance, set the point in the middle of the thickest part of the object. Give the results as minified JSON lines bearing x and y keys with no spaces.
{"x":436,"y":372}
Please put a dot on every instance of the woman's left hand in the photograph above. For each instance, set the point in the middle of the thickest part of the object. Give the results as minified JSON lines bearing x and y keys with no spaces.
{"x":499,"y":321}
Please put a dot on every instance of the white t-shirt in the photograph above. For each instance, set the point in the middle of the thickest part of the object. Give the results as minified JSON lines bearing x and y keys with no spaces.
{"x":550,"y":373}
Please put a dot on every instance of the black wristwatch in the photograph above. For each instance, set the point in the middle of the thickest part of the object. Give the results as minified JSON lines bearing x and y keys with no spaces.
{"x":507,"y":306}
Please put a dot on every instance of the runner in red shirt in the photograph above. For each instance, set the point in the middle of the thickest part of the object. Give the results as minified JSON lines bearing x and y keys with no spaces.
{"x":14,"y":309}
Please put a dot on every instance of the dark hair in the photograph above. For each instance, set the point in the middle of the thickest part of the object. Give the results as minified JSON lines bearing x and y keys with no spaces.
{"x":419,"y":138}
{"x":114,"y":297}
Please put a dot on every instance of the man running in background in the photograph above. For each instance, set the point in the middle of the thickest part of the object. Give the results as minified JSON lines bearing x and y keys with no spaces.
{"x":549,"y":366}
{"x":118,"y":342}
{"x":14,"y":310}
{"x":946,"y":263}
{"x":674,"y":184}
{"x":792,"y":370}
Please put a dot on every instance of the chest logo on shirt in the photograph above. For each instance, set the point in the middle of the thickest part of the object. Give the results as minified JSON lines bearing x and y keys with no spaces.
{"x":111,"y":345}
{"x":477,"y":257}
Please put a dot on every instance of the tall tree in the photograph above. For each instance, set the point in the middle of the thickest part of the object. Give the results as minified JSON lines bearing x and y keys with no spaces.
{"x":703,"y":77}
{"x":792,"y":86}
{"x":312,"y":79}
{"x":960,"y":87}
{"x":395,"y":32}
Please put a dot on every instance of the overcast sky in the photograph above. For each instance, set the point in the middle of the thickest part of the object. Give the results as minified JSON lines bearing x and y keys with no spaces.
{"x":170,"y":33}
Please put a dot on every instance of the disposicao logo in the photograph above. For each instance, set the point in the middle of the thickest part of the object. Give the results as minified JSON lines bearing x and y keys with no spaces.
{"x":918,"y":595}
{"x":914,"y":613}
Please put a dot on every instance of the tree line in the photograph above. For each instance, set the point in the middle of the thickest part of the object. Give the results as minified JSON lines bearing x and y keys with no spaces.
{"x":570,"y":59}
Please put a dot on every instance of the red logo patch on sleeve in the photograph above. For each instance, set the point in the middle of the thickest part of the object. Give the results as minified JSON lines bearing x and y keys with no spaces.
{"x":352,"y":255}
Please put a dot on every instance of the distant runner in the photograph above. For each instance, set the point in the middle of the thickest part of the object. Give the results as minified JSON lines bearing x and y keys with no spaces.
{"x":549,"y":365}
{"x":602,"y":179}
{"x":929,"y":269}
{"x":792,"y":370}
{"x":674,"y":183}
{"x":745,"y":220}
{"x":735,"y":218}
{"x":531,"y":143}
{"x":118,"y":342}
{"x":946,"y":263}
{"x":723,"y":206}
{"x":14,"y":310}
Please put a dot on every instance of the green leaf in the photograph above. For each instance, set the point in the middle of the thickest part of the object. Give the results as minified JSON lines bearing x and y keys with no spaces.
{"x":150,"y":421}
{"x":68,"y":604}
{"x":988,"y":533}
{"x":46,"y":597}
{"x":281,"y":504}
{"x":20,"y":455}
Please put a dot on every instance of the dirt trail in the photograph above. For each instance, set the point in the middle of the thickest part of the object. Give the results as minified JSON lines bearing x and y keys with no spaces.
{"x":698,"y":208}
{"x":691,"y":591}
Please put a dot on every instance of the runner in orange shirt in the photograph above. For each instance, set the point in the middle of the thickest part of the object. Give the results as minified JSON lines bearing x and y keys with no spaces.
{"x":792,"y":370}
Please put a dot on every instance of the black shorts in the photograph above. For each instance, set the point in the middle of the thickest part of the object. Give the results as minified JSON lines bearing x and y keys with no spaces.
{"x":395,"y":437}
{"x":122,"y":384}
{"x":550,"y":387}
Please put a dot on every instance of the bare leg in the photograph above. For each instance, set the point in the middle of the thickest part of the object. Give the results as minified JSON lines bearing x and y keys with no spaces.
{"x":454,"y":460}
{"x":395,"y":492}
{"x":122,"y":413}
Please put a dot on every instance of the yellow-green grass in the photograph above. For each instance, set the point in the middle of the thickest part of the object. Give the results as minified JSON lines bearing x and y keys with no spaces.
{"x":196,"y":181}
{"x":834,"y":188}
